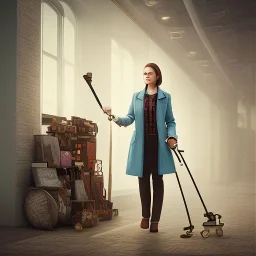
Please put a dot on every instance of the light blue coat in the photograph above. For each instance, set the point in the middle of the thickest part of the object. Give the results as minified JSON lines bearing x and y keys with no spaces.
{"x":166,"y":127}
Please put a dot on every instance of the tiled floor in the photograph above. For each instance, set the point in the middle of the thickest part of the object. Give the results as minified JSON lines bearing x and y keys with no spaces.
{"x":122,"y":235}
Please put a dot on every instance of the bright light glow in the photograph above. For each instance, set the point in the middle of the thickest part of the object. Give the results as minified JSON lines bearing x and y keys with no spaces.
{"x":166,"y":18}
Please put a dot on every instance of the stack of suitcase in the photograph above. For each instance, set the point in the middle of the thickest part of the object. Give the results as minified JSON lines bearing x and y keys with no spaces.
{"x":77,"y":146}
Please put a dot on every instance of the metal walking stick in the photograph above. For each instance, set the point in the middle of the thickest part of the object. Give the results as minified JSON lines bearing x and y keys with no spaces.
{"x":189,"y":229}
{"x":88,"y":79}
{"x":213,"y":220}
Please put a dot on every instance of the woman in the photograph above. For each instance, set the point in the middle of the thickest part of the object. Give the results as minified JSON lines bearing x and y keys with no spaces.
{"x":149,"y":152}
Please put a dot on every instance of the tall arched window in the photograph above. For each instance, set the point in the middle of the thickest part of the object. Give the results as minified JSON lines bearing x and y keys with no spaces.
{"x":58,"y":58}
{"x":69,"y":42}
{"x":51,"y":60}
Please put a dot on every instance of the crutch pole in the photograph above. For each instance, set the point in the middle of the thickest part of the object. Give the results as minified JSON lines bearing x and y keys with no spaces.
{"x":180,"y":151}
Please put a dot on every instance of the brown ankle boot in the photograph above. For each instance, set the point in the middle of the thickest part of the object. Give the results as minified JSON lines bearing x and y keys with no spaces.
{"x":144,"y":223}
{"x":154,"y":227}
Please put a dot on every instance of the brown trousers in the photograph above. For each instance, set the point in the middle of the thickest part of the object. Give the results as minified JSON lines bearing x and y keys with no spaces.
{"x":151,"y":168}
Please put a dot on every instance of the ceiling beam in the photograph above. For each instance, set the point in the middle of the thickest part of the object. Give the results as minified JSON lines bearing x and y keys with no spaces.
{"x":202,"y":35}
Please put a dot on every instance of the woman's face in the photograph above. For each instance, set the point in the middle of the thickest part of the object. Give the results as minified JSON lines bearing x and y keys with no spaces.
{"x":149,"y":76}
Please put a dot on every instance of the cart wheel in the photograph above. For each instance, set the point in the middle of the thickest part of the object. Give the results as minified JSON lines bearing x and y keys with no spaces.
{"x":115,"y":211}
{"x":205,"y":233}
{"x":219,"y":232}
{"x":189,"y":234}
{"x":78,"y":227}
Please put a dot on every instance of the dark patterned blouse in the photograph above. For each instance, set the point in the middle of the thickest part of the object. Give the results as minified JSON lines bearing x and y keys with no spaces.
{"x":150,"y":102}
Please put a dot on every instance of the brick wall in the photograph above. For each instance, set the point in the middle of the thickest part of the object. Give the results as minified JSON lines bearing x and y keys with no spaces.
{"x":28,"y":91}
{"x":20,"y":102}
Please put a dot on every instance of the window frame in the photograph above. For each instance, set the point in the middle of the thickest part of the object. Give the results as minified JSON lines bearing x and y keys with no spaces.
{"x":58,"y":8}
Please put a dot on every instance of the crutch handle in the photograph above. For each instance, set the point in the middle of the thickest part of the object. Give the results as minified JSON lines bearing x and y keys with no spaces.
{"x":174,"y":150}
{"x":111,"y":117}
{"x":179,"y":150}
{"x":175,"y":146}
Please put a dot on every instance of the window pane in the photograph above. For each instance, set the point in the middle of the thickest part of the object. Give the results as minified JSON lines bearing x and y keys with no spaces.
{"x":68,"y":91}
{"x":50,"y":29}
{"x":69,"y":41}
{"x":50,"y":86}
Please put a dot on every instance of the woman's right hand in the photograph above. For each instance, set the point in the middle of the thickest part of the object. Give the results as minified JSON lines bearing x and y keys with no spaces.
{"x":107,"y":110}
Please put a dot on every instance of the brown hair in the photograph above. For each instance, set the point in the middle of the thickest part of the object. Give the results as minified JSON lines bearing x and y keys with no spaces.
{"x":157,"y":71}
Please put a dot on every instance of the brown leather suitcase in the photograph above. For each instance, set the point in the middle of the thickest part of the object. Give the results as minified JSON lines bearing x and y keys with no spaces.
{"x":86,"y":176}
{"x":47,"y":149}
{"x":84,"y":151}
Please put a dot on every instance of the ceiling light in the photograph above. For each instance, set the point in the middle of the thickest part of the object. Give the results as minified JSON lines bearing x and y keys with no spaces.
{"x":192,"y":54}
{"x":151,"y":2}
{"x":166,"y":18}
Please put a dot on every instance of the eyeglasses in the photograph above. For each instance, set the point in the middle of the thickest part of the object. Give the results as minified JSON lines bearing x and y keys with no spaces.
{"x":149,"y":73}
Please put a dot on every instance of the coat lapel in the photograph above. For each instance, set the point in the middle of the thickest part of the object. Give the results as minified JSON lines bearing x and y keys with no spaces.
{"x":160,"y":92}
{"x":161,"y":103}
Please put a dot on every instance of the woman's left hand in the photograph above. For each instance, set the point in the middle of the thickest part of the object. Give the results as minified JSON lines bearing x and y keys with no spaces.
{"x":172,"y":143}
